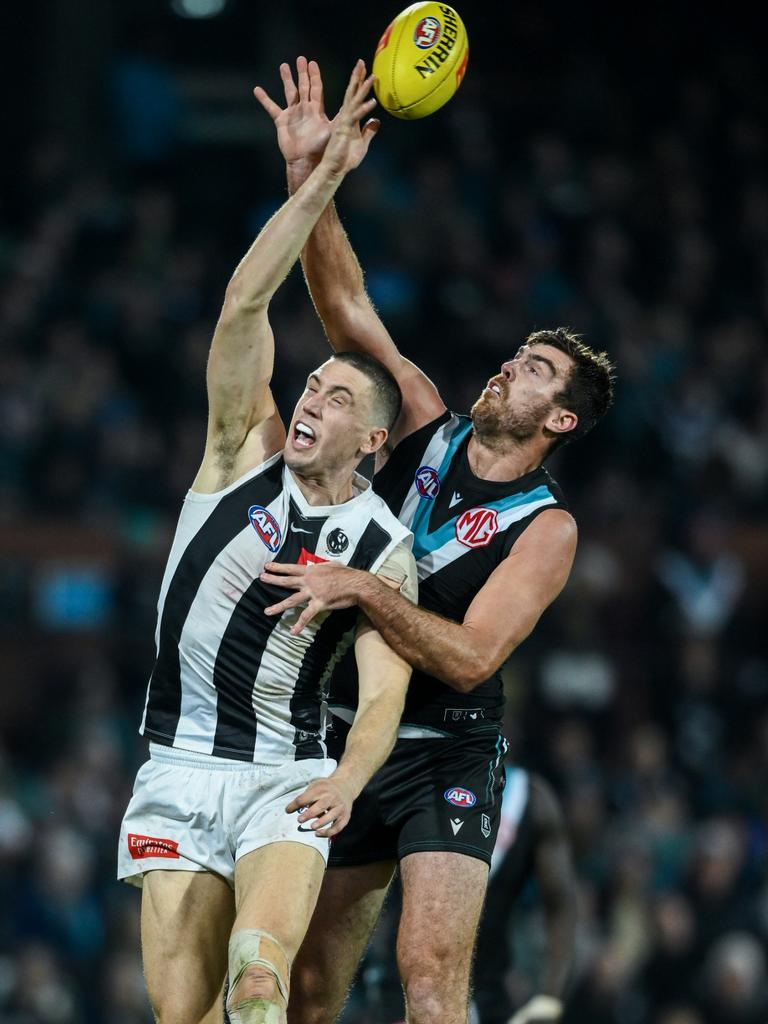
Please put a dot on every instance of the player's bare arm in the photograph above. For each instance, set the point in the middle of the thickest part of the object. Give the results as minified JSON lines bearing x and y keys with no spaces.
{"x":383,"y":680}
{"x":461,"y":654}
{"x":333,"y":274}
{"x":244,"y":427}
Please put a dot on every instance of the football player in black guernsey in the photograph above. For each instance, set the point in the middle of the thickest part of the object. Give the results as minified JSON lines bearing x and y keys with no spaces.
{"x":494,"y":544}
{"x":532,"y":846}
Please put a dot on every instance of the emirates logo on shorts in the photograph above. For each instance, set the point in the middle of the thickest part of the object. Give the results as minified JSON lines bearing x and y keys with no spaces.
{"x":477,"y":527}
{"x":148,"y":846}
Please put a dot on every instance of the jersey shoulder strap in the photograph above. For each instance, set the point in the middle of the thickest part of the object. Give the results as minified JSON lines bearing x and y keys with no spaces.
{"x":420,"y":455}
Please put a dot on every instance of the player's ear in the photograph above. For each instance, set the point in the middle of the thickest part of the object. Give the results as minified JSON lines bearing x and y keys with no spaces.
{"x":375,"y":439}
{"x":561,"y":421}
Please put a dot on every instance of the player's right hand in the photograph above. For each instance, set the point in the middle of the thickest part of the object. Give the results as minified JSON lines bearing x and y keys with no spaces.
{"x":302,"y":126}
{"x":325,"y":806}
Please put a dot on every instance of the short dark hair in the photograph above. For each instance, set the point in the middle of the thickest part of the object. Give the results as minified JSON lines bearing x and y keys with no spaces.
{"x":588,"y":391}
{"x":387,"y":397}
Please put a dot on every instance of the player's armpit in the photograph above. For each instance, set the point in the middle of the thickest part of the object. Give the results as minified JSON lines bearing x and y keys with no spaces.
{"x":229,"y":454}
{"x":512,"y":600}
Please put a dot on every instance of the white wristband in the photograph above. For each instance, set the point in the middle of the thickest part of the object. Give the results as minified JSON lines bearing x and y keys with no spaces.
{"x":538,"y":1008}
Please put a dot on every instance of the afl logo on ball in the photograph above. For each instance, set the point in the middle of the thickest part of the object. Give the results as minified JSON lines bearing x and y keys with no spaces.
{"x":427,"y":32}
{"x":337,"y":542}
{"x":460,"y":797}
{"x":427,"y":482}
{"x":477,"y":527}
{"x":265,"y":524}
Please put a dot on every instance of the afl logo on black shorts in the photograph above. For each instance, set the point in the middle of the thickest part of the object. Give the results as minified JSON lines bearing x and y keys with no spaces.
{"x":337,"y":542}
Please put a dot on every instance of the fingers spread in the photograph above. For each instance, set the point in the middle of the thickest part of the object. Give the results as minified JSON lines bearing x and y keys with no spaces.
{"x":312,"y":609}
{"x":286,"y":605}
{"x":315,"y":84}
{"x":287,"y":568}
{"x":303,"y":77}
{"x":291,"y":92}
{"x":269,"y":104}
{"x":286,"y":582}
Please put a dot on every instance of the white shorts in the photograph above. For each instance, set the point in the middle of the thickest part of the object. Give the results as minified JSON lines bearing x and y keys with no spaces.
{"x":193,"y":812}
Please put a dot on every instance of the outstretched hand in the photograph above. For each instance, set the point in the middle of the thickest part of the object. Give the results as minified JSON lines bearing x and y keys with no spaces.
{"x":326,"y":586}
{"x":303,"y":128}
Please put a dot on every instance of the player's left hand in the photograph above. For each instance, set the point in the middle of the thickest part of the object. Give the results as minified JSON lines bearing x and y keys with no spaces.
{"x":328,"y":802}
{"x":324,"y":586}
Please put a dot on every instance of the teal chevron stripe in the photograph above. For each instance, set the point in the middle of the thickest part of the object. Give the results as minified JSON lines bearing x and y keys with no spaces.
{"x":424,"y":542}
{"x":421,"y":519}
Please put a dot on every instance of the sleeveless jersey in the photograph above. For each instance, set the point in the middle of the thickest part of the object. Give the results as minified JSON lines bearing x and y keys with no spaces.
{"x":228,"y":679}
{"x":463,"y":528}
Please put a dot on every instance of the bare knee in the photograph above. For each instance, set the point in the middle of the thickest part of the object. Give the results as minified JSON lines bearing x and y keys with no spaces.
{"x":311,"y":1001}
{"x":436,"y":990}
{"x":256,"y":983}
{"x":178,"y":1005}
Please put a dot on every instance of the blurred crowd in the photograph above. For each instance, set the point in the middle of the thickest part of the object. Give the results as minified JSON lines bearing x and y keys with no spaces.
{"x":643,"y":693}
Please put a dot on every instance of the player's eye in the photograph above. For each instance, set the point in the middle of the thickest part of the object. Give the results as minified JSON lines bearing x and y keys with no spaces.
{"x":532,"y":368}
{"x":338,"y":401}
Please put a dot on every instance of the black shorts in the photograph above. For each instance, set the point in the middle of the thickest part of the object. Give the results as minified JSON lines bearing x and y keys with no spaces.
{"x":432,"y":794}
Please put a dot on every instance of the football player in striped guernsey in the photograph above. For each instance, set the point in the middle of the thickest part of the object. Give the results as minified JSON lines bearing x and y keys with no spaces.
{"x":228,"y":828}
{"x":494,"y":543}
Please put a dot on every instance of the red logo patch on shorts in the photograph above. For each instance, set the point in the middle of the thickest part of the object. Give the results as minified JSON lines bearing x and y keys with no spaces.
{"x":477,"y":527}
{"x":148,"y":846}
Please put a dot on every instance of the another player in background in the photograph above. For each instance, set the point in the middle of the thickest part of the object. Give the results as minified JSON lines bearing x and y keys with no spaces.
{"x":494,"y":544}
{"x":532,"y":844}
{"x":228,"y":828}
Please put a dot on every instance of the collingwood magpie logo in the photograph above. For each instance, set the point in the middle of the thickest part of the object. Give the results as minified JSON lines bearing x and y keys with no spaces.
{"x":337,"y":542}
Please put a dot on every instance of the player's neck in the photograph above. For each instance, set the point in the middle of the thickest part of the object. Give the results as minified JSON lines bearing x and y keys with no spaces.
{"x":505,"y":459}
{"x":325,"y":489}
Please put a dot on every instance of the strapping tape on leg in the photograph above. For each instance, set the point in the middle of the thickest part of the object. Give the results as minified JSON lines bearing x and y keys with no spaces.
{"x":251,"y":947}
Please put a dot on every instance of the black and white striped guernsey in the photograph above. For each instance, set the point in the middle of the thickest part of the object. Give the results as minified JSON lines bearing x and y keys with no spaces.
{"x":229,"y":680}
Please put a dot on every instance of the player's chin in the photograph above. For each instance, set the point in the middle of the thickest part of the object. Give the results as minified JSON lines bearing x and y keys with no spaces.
{"x":298,"y":458}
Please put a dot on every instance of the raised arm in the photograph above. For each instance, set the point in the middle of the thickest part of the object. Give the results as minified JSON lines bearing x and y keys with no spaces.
{"x":333,"y":273}
{"x":462,"y":654}
{"x":244,"y":427}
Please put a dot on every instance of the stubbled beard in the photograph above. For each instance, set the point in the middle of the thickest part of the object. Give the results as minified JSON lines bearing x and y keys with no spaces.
{"x":495,"y":422}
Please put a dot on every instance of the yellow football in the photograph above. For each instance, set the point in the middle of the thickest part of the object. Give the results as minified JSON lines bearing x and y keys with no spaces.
{"x":420,"y":60}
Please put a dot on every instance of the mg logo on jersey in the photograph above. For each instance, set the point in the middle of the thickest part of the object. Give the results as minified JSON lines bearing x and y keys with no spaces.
{"x":427,"y":32}
{"x":267,"y":527}
{"x":477,"y":527}
{"x":427,"y":482}
{"x":460,"y":797}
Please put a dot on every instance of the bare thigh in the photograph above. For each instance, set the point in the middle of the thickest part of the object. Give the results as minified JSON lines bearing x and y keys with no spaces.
{"x":186,"y":917}
{"x":443,"y":896}
{"x":347,"y":909}
{"x":276,"y":888}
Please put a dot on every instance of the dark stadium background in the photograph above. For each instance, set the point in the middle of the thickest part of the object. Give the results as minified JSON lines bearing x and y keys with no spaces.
{"x":603,"y":167}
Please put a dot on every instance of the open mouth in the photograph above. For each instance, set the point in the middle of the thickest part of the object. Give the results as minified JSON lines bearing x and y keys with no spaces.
{"x":494,"y":388}
{"x":303,"y":435}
